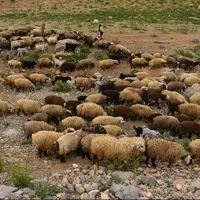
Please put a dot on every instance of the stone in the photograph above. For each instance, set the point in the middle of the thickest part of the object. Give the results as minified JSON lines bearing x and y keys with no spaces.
{"x":60,"y":195}
{"x":91,"y":173}
{"x":6,"y":189}
{"x":28,"y":191}
{"x":76,"y":170}
{"x":120,"y":176}
{"x":19,"y":192}
{"x":149,"y":195}
{"x":95,"y":185}
{"x":75,"y":166}
{"x":125,"y":192}
{"x":25,"y":196}
{"x":104,"y":196}
{"x":192,"y":188}
{"x":197,"y":185}
{"x":11,"y":132}
{"x":148,"y":180}
{"x":93,"y":193}
{"x":80,"y":190}
{"x":176,"y":195}
{"x":84,"y":196}
{"x":88,"y":187}
{"x":100,"y":172}
{"x":178,"y":186}
{"x":50,"y":198}
{"x":68,"y":171}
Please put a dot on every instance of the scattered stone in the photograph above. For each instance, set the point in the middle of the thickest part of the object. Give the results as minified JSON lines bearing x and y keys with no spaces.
{"x":93,"y":193}
{"x":80,"y":190}
{"x":178,"y":186}
{"x":19,"y":192}
{"x":50,"y":198}
{"x":176,"y":195}
{"x":28,"y":191}
{"x":75,"y":166}
{"x":120,"y":176}
{"x":104,"y":196}
{"x":149,"y":180}
{"x":192,"y":188}
{"x":85,"y":196}
{"x":88,"y":187}
{"x":197,"y":185}
{"x":60,"y":195}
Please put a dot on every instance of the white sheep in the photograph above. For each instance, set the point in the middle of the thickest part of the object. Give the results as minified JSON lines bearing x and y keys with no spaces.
{"x":107,"y":120}
{"x":41,"y":47}
{"x":5,"y":108}
{"x":14,"y":64}
{"x":53,"y":39}
{"x":74,"y":122}
{"x":114,"y":130}
{"x":194,"y":148}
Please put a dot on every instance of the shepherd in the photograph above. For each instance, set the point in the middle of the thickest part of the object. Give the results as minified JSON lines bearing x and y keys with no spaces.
{"x":100,"y":31}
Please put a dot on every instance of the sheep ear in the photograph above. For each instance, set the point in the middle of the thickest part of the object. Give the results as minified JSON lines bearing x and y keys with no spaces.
{"x":54,"y":142}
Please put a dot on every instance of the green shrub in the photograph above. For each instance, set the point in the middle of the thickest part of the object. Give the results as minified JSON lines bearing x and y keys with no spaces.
{"x":109,"y":110}
{"x":100,"y":55}
{"x":20,"y":176}
{"x":30,"y":56}
{"x":59,"y":86}
{"x":45,"y":189}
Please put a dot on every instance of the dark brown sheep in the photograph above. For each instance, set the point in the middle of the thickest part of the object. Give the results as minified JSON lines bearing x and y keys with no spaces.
{"x":53,"y":99}
{"x":112,"y":96}
{"x":124,"y":111}
{"x":183,"y":117}
{"x":176,"y":86}
{"x":71,"y":105}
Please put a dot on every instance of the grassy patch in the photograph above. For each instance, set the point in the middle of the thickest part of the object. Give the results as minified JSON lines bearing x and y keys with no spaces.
{"x":196,"y":41}
{"x":100,"y":55}
{"x":33,"y":56}
{"x":1,"y":163}
{"x":59,"y":86}
{"x":185,"y":144}
{"x":154,"y":35}
{"x":109,"y":110}
{"x":44,"y":190}
{"x":26,"y":142}
{"x":20,"y":176}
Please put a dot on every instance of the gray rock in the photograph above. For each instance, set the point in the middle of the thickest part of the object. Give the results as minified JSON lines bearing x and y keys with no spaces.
{"x":19,"y":192}
{"x":11,"y":132}
{"x":125,"y":192}
{"x":6,"y":189}
{"x":84,"y":196}
{"x":50,"y":198}
{"x":120,"y":176}
{"x":176,"y":195}
{"x":88,"y":187}
{"x":93,"y":193}
{"x":149,"y":180}
{"x":28,"y":191}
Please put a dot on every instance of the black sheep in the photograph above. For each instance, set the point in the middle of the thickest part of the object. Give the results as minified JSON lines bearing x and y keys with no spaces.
{"x":107,"y":86}
{"x":67,"y":66}
{"x":82,"y":98}
{"x":112,"y":96}
{"x":28,"y":64}
{"x":123,"y":76}
{"x":64,"y":79}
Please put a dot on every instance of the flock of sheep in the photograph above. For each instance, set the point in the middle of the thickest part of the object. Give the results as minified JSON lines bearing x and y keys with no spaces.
{"x":59,"y":127}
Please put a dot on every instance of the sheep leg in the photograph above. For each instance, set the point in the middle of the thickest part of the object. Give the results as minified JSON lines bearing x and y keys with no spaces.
{"x":18,"y":112}
{"x":94,"y":159}
{"x":170,"y":162}
{"x":147,"y":160}
{"x":45,"y":153}
{"x":62,"y":158}
{"x":24,"y":112}
{"x":40,"y":153}
{"x":88,"y":156}
{"x":153,"y":160}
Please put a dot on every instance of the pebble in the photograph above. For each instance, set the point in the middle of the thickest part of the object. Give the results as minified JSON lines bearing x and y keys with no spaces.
{"x":60,"y":195}
{"x":93,"y":193}
{"x":80,"y":190}
{"x":197,"y":185}
{"x":178,"y":186}
{"x":75,"y":166}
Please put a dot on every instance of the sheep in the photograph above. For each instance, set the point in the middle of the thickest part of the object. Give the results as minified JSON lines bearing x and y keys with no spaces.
{"x":90,"y":110}
{"x":44,"y":117}
{"x":41,"y":78}
{"x":73,"y":122}
{"x":157,"y":62}
{"x":45,"y":62}
{"x":194,"y":148}
{"x":23,"y":83}
{"x":82,"y":98}
{"x":89,"y":40}
{"x":138,"y":62}
{"x":22,"y":51}
{"x":171,"y":62}
{"x":108,"y":63}
{"x":68,"y":143}
{"x":6,"y":108}
{"x":138,"y":90}
{"x":103,"y":44}
{"x":163,"y":150}
{"x":123,"y":76}
{"x":190,"y":109}
{"x":114,"y":130}
{"x":64,"y":79}
{"x":53,"y":39}
{"x":112,"y":95}
{"x":142,"y":111}
{"x":123,"y":149}
{"x":124,"y":111}
{"x":107,"y":86}
{"x":192,"y":80}
{"x":36,"y":31}
{"x":115,"y":56}
{"x":53,"y":99}
{"x":142,"y":75}
{"x":28,"y":64}
{"x":56,"y":110}
{"x":130,"y":96}
{"x":56,"y":61}
{"x":95,"y":129}
{"x":118,"y":48}
{"x":183,"y":117}
{"x":152,"y":94}
{"x":190,"y":127}
{"x":170,"y":76}
{"x":41,"y":47}
{"x":186,"y":75}
{"x":146,"y":132}
{"x":195,"y":99}
{"x":6,"y":34}
{"x":17,"y":44}
{"x":35,"y":126}
{"x":85,"y":64}
{"x":96,"y":98}
{"x":67,"y":66}
{"x":176,"y":86}
{"x":14,"y":64}
{"x":157,"y":85}
{"x":147,"y":56}
{"x":121,"y":84}
{"x":10,"y":80}
{"x":44,"y":141}
{"x":157,"y":55}
{"x":83,"y":83}
{"x":146,"y":81}
{"x":28,"y":106}
{"x":107,"y":120}
{"x":137,"y":84}
{"x":166,"y":123}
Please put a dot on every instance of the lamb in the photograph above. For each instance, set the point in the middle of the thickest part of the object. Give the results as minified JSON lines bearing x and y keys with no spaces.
{"x":14,"y":64}
{"x":192,"y":80}
{"x":146,"y":132}
{"x":190,"y":109}
{"x":176,"y":86}
{"x":190,"y":127}
{"x":35,"y":126}
{"x":42,"y":47}
{"x":56,"y":110}
{"x":163,"y":150}
{"x":53,"y":39}
{"x":130,"y":96}
{"x":138,"y":62}
{"x":123,"y":149}
{"x":195,"y":99}
{"x":124,"y":111}
{"x":96,"y":98}
{"x":23,"y":83}
{"x":114,"y":130}
{"x":83,"y":83}
{"x":142,"y":111}
{"x":28,"y":106}
{"x":107,"y":120}
{"x":45,"y":62}
{"x":170,"y":76}
{"x":5,"y":108}
{"x":68,"y":143}
{"x":112,"y":95}
{"x":166,"y":123}
{"x":41,"y":78}
{"x":157,"y":85}
{"x":44,"y":141}
{"x":53,"y":99}
{"x":194,"y":148}
{"x":85,"y":64}
{"x":44,"y":117}
{"x":157,"y":62}
{"x":108,"y":63}
{"x":183,"y":117}
{"x":56,"y":61}
{"x":147,"y":56}
{"x":74,"y":122}
{"x":90,"y":110}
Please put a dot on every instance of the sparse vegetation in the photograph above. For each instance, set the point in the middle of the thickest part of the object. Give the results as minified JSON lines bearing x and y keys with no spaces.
{"x":100,"y":55}
{"x":59,"y":86}
{"x":185,"y":144}
{"x":44,"y":190}
{"x":30,"y":56}
{"x":20,"y":175}
{"x":1,"y":163}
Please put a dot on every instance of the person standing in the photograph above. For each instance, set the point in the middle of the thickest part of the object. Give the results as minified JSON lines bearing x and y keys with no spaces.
{"x":100,"y":31}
